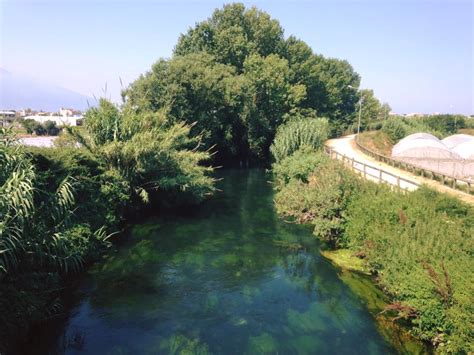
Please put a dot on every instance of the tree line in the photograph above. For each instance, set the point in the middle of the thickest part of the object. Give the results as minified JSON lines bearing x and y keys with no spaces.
{"x":238,"y":78}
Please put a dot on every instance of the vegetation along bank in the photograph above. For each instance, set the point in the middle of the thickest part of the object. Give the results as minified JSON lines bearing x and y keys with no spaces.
{"x":417,"y":246}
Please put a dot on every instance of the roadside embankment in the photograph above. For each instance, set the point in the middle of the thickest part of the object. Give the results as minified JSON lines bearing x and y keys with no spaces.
{"x":417,"y":246}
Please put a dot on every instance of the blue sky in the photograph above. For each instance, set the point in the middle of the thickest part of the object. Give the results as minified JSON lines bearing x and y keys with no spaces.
{"x":417,"y":55}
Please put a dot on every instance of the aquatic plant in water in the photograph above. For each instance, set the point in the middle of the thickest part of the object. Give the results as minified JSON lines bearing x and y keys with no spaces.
{"x":181,"y":345}
{"x":263,"y":344}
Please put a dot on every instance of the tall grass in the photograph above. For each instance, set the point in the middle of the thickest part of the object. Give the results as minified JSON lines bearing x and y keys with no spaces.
{"x":296,"y":133}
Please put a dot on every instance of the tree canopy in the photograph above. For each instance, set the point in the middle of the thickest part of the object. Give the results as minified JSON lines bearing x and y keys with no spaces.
{"x":238,"y":77}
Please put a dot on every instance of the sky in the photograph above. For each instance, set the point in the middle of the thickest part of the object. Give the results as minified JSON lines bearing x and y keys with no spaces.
{"x":417,"y":55}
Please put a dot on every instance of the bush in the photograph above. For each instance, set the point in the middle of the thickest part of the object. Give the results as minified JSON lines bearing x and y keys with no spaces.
{"x":297,"y":166}
{"x":50,"y":128}
{"x":420,"y":246}
{"x":322,"y":200}
{"x":102,"y":196}
{"x":296,"y":133}
{"x":375,"y":126}
{"x":395,"y":129}
{"x":157,"y":158}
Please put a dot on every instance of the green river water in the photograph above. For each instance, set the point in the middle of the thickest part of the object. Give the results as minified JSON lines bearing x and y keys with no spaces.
{"x":231,"y":278}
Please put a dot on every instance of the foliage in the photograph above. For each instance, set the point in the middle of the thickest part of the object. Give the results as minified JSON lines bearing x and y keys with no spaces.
{"x":238,"y":78}
{"x":102,"y":197}
{"x":33,"y":234}
{"x":373,"y":111}
{"x":321,"y":200}
{"x":447,"y":124}
{"x":50,"y":128}
{"x":147,"y":151}
{"x":54,"y":204}
{"x":418,"y":245}
{"x":297,"y":133}
{"x":47,"y":128}
{"x":438,"y":125}
{"x":298,"y":166}
{"x":395,"y":129}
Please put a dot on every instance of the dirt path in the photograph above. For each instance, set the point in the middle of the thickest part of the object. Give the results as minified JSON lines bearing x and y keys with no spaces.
{"x":347,"y":146}
{"x":46,"y":141}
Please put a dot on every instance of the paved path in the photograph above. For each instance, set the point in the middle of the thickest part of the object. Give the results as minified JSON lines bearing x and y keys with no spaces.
{"x":347,"y":146}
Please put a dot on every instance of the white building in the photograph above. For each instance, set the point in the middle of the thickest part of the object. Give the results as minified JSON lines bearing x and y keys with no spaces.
{"x":66,"y":112}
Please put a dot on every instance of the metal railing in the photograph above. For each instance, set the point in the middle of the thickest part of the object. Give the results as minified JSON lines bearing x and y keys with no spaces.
{"x":453,"y":182}
{"x":372,"y":172}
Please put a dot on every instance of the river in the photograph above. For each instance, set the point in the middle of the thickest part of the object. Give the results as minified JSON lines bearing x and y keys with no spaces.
{"x":230,"y":278}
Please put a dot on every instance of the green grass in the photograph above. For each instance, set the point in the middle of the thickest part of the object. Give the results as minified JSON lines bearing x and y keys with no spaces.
{"x":377,"y":141}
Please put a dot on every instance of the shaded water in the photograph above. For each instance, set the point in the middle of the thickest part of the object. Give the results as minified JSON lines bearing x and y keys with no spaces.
{"x":230,"y":279}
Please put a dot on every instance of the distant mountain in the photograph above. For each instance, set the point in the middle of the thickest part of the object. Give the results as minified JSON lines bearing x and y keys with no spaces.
{"x":18,"y":92}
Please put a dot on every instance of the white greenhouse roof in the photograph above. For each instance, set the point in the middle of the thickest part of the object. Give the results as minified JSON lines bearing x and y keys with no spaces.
{"x":456,"y":139}
{"x":419,"y":136}
{"x":465,"y":150}
{"x":423,"y":148}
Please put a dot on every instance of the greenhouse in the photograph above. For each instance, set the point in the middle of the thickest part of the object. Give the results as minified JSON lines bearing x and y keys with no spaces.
{"x":453,"y":156}
{"x":419,"y":136}
{"x":430,"y":147}
{"x":456,"y":139}
{"x":465,"y":150}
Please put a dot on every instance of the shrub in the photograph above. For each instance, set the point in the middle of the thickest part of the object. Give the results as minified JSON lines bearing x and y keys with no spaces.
{"x":395,"y":129}
{"x":322,"y":200}
{"x":50,"y":128}
{"x":420,"y":246}
{"x":298,"y":166}
{"x":154,"y":156}
{"x":297,"y":133}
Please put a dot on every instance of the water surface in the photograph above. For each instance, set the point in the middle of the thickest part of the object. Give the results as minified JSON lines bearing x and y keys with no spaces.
{"x":231,"y":278}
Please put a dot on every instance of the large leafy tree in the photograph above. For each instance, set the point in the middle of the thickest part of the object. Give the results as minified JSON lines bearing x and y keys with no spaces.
{"x":196,"y":90}
{"x":372,"y":109}
{"x":238,"y":78}
{"x":232,"y":34}
{"x":271,"y":97}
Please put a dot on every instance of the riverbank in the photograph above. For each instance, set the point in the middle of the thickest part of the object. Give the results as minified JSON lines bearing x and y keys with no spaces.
{"x":60,"y":208}
{"x":415,"y":245}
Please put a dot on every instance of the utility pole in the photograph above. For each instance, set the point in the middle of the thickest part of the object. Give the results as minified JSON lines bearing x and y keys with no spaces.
{"x":360,"y":115}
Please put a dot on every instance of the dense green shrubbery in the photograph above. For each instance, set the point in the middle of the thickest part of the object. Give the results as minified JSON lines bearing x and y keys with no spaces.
{"x":395,"y":129}
{"x":40,"y":129}
{"x":151,"y":154}
{"x":298,"y":166}
{"x":438,"y":125}
{"x":297,"y":133}
{"x":312,"y":188}
{"x":58,"y":204}
{"x":418,"y":245}
{"x":44,"y":233}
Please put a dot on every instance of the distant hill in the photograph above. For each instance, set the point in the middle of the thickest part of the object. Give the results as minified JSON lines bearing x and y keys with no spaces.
{"x":18,"y":92}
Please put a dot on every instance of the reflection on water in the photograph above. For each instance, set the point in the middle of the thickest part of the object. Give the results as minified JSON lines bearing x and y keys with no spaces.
{"x":230,"y":279}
